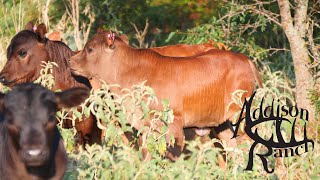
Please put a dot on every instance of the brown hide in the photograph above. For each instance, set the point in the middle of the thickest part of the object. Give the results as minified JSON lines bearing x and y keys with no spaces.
{"x":183,"y":50}
{"x":26,"y":68}
{"x":199,"y":88}
{"x":55,"y":36}
{"x":178,"y":50}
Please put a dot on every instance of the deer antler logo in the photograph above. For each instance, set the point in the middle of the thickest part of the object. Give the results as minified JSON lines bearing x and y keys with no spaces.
{"x":281,"y":148}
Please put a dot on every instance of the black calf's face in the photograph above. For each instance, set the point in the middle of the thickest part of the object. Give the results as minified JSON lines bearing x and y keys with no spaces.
{"x":29,"y":115}
{"x":30,"y":118}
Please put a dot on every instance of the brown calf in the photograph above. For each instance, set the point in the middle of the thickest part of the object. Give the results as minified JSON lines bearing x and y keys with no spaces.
{"x":178,"y":50}
{"x":199,"y":88}
{"x":25,"y":53}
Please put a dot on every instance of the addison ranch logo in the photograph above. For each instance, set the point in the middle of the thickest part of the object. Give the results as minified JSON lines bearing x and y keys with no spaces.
{"x":278,"y":114}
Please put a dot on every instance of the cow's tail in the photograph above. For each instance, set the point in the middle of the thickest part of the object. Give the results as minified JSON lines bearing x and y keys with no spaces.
{"x":256,"y":74}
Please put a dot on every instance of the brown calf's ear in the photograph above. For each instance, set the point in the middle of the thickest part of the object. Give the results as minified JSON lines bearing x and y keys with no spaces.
{"x":100,"y":30}
{"x":29,"y":26}
{"x":71,"y":97}
{"x":41,"y":31}
{"x":110,"y":37}
{"x":54,"y":36}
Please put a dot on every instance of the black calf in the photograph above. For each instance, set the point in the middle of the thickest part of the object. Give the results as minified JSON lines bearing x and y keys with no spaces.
{"x":30,"y":143}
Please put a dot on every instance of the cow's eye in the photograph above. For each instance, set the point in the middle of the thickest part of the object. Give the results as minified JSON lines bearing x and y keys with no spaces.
{"x":89,"y":49}
{"x":22,"y":53}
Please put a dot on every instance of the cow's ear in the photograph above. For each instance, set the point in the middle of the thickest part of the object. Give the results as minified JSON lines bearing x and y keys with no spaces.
{"x":1,"y":102}
{"x":29,"y":26}
{"x":41,"y":31}
{"x":54,"y":36}
{"x":71,"y":97}
{"x":100,"y":30}
{"x":110,"y":37}
{"x":124,"y":38}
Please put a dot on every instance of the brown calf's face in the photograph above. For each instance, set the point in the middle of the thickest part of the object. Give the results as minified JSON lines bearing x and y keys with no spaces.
{"x":24,"y":55}
{"x":29,"y":116}
{"x":88,"y":61}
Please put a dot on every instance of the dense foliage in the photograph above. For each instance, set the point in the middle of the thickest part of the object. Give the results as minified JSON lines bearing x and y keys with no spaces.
{"x":170,"y":22}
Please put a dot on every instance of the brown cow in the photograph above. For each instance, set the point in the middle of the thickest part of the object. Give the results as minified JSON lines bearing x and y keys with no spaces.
{"x":25,"y":53}
{"x":185,"y":50}
{"x":182,"y":50}
{"x":178,"y":50}
{"x":199,"y":88}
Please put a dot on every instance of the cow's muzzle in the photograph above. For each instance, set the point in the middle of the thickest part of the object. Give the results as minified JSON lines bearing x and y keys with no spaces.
{"x":34,"y":156}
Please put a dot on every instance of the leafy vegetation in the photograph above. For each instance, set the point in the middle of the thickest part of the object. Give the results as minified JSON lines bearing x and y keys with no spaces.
{"x":118,"y":159}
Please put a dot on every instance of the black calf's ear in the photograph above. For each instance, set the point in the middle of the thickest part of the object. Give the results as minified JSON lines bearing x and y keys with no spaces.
{"x":71,"y":97}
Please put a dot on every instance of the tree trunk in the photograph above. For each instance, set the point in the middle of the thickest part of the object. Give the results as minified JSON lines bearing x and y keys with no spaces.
{"x":296,"y":32}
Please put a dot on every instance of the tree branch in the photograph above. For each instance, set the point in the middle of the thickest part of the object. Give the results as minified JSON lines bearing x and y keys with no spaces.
{"x":300,"y":17}
{"x":286,"y":18}
{"x":256,"y":8}
{"x":269,"y":15}
{"x":141,"y":35}
{"x":313,"y":49}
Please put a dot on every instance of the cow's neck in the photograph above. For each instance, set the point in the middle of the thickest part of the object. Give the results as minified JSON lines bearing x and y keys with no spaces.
{"x":60,"y":53}
{"x":133,"y":66}
{"x":64,"y":82}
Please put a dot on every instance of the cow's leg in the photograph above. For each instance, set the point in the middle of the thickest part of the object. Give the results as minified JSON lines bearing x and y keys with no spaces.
{"x":88,"y":131}
{"x":247,"y":84}
{"x":224,"y":132}
{"x":84,"y":129}
{"x":174,"y":150}
{"x":144,"y":150}
{"x":190,"y":134}
{"x":96,"y":133}
{"x":80,"y":133}
{"x":176,"y":130}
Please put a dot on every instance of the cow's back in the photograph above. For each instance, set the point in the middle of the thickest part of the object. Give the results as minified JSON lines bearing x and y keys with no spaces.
{"x":198,"y":88}
{"x":183,"y":50}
